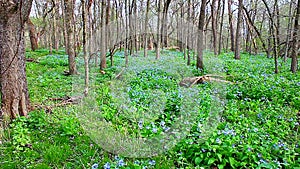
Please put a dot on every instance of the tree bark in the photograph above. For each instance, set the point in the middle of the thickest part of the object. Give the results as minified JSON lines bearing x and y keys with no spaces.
{"x":214,"y":25}
{"x":238,"y":31}
{"x":14,"y":90}
{"x":294,"y":64}
{"x":231,"y":26}
{"x":69,"y":14}
{"x":32,"y":35}
{"x":221,"y":27}
{"x":158,"y":30}
{"x":200,"y":36}
{"x":103,"y":37}
{"x":146,"y":29}
{"x":164,"y":25}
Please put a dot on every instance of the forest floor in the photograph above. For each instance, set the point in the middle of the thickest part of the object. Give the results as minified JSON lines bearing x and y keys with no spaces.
{"x":251,"y":123}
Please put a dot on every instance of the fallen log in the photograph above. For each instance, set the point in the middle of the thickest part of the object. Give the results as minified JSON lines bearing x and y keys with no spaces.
{"x":191,"y":81}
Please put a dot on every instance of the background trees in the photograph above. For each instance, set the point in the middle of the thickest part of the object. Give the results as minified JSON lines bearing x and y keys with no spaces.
{"x":253,"y":26}
{"x":264,"y":26}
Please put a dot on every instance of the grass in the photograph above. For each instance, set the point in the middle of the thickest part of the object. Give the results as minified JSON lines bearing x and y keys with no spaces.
{"x":258,"y":127}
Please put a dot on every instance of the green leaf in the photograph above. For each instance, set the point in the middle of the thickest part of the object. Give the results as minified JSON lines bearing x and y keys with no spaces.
{"x":221,"y":166}
{"x":198,"y":160}
{"x":220,"y":157}
{"x":232,"y":161}
{"x":211,"y":161}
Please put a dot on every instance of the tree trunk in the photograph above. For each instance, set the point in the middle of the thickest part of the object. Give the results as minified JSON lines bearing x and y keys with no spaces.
{"x":146,"y":29}
{"x":294,"y":64}
{"x":231,"y":25}
{"x":238,"y":31}
{"x":221,"y":27}
{"x":200,"y":35}
{"x":288,"y":35}
{"x":32,"y":35}
{"x":214,"y":25}
{"x":14,"y":90}
{"x":69,"y":12}
{"x":164,"y":25}
{"x":103,"y":38}
{"x":84,"y":45}
{"x":158,"y":30}
{"x":188,"y":35}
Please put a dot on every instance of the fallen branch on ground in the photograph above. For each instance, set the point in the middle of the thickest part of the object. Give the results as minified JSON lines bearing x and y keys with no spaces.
{"x":67,"y":100}
{"x":120,"y":74}
{"x":190,"y":81}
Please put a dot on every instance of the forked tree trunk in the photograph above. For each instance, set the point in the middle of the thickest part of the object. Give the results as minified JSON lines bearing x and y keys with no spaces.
{"x":14,"y":91}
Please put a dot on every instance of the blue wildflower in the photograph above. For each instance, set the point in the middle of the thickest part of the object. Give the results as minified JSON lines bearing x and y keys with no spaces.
{"x":255,"y":129}
{"x":121,"y":163}
{"x":137,"y":162}
{"x":107,"y":165}
{"x":140,"y":124}
{"x":152,"y":162}
{"x":94,"y":166}
{"x":259,"y":115}
{"x":117,"y":158}
{"x":166,"y":129}
{"x":262,"y":161}
{"x":218,"y":140}
{"x":162,"y":123}
{"x":154,"y":130}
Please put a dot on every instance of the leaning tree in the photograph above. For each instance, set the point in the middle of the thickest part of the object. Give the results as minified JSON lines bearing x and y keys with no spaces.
{"x":14,"y":91}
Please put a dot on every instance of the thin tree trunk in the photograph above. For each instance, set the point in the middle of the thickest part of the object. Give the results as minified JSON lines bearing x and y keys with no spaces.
{"x":294,"y":64}
{"x":146,"y":29}
{"x":214,"y":26}
{"x":188,"y":34}
{"x":69,"y":11}
{"x":158,"y":30}
{"x":200,"y":64}
{"x":32,"y":35}
{"x":238,"y":31}
{"x":231,"y":26}
{"x":84,"y":45}
{"x":221,"y":27}
{"x":103,"y":38}
{"x":286,"y":53}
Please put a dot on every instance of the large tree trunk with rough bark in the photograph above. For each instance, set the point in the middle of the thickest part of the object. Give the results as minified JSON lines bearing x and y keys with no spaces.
{"x":69,"y":14}
{"x":14,"y":92}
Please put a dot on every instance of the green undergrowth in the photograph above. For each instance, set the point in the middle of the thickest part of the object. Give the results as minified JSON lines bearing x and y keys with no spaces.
{"x":258,"y":126}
